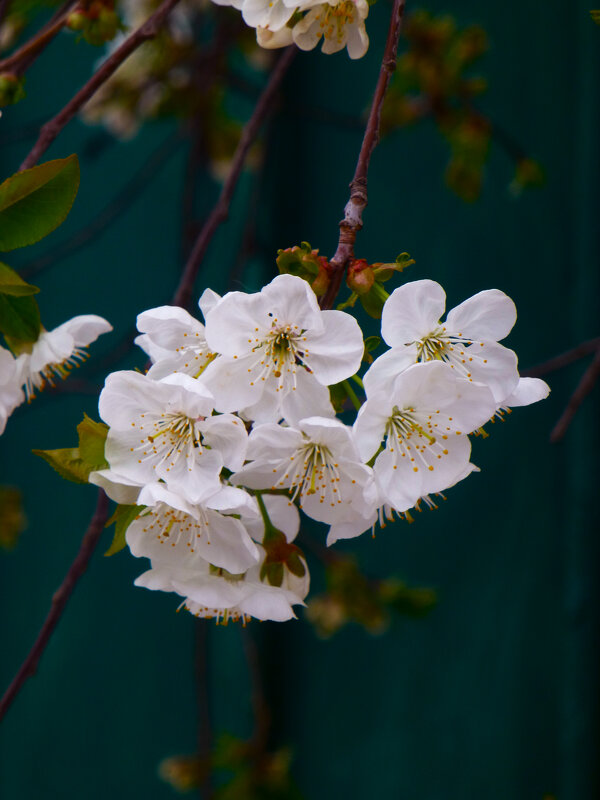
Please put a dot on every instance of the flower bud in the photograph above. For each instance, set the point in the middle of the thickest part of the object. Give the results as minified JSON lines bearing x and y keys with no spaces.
{"x":360,"y":277}
{"x":11,"y":88}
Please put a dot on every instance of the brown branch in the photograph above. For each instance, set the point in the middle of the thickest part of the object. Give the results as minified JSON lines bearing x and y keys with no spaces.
{"x":563,"y":360}
{"x":352,"y":221}
{"x":220,"y":212}
{"x":53,"y":127}
{"x":59,"y":601}
{"x":32,"y":48}
{"x":584,"y":387}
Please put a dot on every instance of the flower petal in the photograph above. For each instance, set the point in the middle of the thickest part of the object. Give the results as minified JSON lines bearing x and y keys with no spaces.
{"x":412,"y":311}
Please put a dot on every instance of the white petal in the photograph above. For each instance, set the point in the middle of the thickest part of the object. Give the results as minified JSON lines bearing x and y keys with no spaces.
{"x":529,"y":390}
{"x":208,"y":300}
{"x":486,"y":317}
{"x":227,"y":434}
{"x":309,"y":397}
{"x":384,"y":370}
{"x":412,"y":311}
{"x":336,"y":352}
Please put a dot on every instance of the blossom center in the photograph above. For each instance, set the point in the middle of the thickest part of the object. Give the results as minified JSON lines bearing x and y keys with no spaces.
{"x":410,"y":436}
{"x":333,"y":19}
{"x":171,"y":525}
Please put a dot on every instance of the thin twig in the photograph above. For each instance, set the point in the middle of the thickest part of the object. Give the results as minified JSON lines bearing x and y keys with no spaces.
{"x":32,"y":48}
{"x":59,"y":601}
{"x":352,"y":221}
{"x":113,"y":209}
{"x":220,"y":212}
{"x":584,"y":387}
{"x":563,"y":360}
{"x":53,"y":127}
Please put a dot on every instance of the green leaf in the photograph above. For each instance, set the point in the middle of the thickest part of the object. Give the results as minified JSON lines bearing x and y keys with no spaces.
{"x":12,"y":283}
{"x":122,"y":519}
{"x":35,"y":202}
{"x":372,"y":343}
{"x":12,"y":518}
{"x":67,"y":462}
{"x":76,"y":463}
{"x":595,"y":15}
{"x":92,"y":436}
{"x":19,"y":318}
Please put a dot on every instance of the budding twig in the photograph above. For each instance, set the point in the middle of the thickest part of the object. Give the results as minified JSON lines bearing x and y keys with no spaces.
{"x":352,"y":221}
{"x":28,"y":52}
{"x":59,"y":601}
{"x":49,"y":132}
{"x":220,"y":211}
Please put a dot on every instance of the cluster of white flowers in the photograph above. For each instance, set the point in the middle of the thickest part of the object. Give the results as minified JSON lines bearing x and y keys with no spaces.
{"x":52,"y":356}
{"x":278,"y":23}
{"x":232,"y":428}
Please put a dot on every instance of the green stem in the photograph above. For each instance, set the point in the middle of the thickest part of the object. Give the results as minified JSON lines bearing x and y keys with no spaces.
{"x":271,"y":531}
{"x":358,"y":381}
{"x":352,"y":395}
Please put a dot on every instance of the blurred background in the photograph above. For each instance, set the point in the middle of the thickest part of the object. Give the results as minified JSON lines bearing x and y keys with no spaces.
{"x":464,"y":665}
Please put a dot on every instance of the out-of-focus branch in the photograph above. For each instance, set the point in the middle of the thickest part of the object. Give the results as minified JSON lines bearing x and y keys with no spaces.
{"x":53,"y":127}
{"x":220,"y":212}
{"x":352,"y":221}
{"x":564,"y":359}
{"x":584,"y":387}
{"x":29,"y":51}
{"x":59,"y":601}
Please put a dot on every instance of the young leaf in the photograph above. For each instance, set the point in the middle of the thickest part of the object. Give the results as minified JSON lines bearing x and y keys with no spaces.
{"x":12,"y":283}
{"x":122,"y":519}
{"x":19,"y":318}
{"x":67,"y":462}
{"x":92,"y":436}
{"x":76,"y":463}
{"x":35,"y":202}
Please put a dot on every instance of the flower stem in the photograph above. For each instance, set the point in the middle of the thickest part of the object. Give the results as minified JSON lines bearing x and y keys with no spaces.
{"x":352,"y":395}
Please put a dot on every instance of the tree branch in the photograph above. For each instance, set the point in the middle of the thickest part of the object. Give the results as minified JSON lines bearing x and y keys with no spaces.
{"x":32,"y":48}
{"x":584,"y":387}
{"x":563,"y":360}
{"x":220,"y":212}
{"x":53,"y":127}
{"x":59,"y":601}
{"x":352,"y":221}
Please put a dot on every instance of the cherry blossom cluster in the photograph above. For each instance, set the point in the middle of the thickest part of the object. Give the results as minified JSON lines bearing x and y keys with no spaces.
{"x":43,"y":362}
{"x":232,"y":431}
{"x":339,"y":23}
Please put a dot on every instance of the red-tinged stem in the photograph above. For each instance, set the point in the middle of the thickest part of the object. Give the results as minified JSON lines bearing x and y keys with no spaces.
{"x":59,"y":601}
{"x":220,"y":212}
{"x":584,"y":387}
{"x":352,"y":221}
{"x":53,"y":127}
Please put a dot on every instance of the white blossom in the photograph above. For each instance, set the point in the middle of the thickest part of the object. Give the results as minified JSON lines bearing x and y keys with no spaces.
{"x":467,"y":340}
{"x":11,"y":394}
{"x":423,"y":421}
{"x":318,"y":461}
{"x":163,"y":430}
{"x":279,"y":352}
{"x":56,"y":352}
{"x":339,"y":24}
{"x":178,"y":536}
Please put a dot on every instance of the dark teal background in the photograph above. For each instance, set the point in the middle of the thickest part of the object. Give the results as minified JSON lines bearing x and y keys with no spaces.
{"x":494,"y":696}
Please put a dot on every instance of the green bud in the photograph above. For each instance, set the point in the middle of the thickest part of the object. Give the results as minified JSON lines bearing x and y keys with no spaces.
{"x":77,"y":20}
{"x":11,"y":88}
